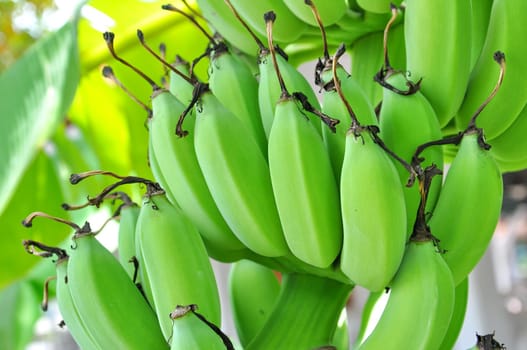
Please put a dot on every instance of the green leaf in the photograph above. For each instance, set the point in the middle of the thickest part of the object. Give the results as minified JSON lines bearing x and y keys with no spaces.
{"x":20,"y":311}
{"x":36,"y":92}
{"x":39,"y":190}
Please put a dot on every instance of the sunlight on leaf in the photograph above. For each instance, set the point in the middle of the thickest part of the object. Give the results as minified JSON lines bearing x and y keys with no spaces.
{"x":36,"y":92}
{"x":39,"y":190}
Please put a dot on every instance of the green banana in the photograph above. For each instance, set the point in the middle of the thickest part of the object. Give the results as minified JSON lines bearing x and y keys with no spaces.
{"x":357,"y":23}
{"x":447,"y":42}
{"x":155,"y":168}
{"x":251,"y":306}
{"x":509,"y":147}
{"x":175,"y":261}
{"x":179,"y":165}
{"x":179,"y":86}
{"x":380,"y":241}
{"x":458,"y":316}
{"x":74,"y":322}
{"x":420,"y":303}
{"x":268,"y":85}
{"x":129,"y":212}
{"x":329,"y":11}
{"x":366,"y":59}
{"x":372,"y":249}
{"x":507,"y":166}
{"x":288,"y":27}
{"x":475,"y":184}
{"x":103,"y":282}
{"x":269,"y":88}
{"x":233,"y":83}
{"x":378,"y":6}
{"x":69,"y":311}
{"x":480,"y":13}
{"x":304,"y":186}
{"x":221,"y":19}
{"x":237,"y":176}
{"x":332,"y":105}
{"x":142,"y":276}
{"x":407,"y":121}
{"x":189,"y":332}
{"x":506,"y":26}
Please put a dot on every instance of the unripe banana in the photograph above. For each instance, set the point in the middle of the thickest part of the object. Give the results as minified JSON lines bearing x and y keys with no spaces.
{"x":238,"y":177}
{"x":253,"y":291}
{"x":177,"y":160}
{"x":155,"y":168}
{"x":179,"y":86}
{"x":129,"y":213}
{"x":233,"y":83}
{"x":475,"y":184}
{"x":506,"y":26}
{"x":407,"y":121}
{"x":507,"y":166}
{"x":357,"y":23}
{"x":288,"y":26}
{"x":68,"y":310}
{"x":373,"y":214}
{"x":458,"y":316}
{"x":367,"y":57}
{"x":332,"y":105}
{"x":380,"y":241}
{"x":420,"y":304}
{"x":480,"y":13}
{"x":222,"y":20}
{"x":377,"y":6}
{"x":111,"y":305}
{"x":440,"y":55}
{"x":330,"y":11}
{"x":142,"y":276}
{"x":269,"y":87}
{"x":304,"y":186}
{"x":175,"y":261}
{"x":510,"y":147}
{"x":75,"y":324}
{"x":189,"y":332}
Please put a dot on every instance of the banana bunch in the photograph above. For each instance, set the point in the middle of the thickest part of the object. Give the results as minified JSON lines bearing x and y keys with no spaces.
{"x":100,"y":304}
{"x":133,"y":309}
{"x":329,"y":188}
{"x":297,"y":27}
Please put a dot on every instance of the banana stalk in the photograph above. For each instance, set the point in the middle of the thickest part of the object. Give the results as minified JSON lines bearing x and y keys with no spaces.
{"x":319,"y":301}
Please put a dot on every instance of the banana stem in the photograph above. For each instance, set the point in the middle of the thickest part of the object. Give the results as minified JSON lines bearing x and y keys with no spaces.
{"x":319,"y":301}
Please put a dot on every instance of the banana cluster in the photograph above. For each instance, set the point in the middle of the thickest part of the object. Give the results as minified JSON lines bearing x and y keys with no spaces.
{"x":131,"y":301}
{"x":334,"y":187}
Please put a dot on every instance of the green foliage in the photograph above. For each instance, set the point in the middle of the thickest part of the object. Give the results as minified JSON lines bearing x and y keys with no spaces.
{"x":36,"y":92}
